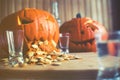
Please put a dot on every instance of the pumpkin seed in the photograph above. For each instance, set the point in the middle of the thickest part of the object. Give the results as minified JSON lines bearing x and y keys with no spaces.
{"x":56,"y":64}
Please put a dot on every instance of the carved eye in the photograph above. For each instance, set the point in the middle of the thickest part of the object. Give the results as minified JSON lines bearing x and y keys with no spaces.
{"x":82,"y":32}
{"x":26,"y":21}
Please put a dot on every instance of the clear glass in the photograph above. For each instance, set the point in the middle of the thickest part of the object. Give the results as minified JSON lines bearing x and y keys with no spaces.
{"x":108,"y":50}
{"x":64,"y":42}
{"x":15,"y":40}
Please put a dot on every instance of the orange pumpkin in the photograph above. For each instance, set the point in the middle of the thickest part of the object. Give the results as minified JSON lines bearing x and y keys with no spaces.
{"x":82,"y":31}
{"x":38,"y":25}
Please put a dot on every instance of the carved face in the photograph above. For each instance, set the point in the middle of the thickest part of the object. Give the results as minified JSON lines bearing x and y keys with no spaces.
{"x":38,"y":25}
{"x":82,"y":32}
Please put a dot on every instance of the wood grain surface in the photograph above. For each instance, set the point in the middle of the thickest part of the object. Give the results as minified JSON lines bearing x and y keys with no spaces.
{"x":84,"y":68}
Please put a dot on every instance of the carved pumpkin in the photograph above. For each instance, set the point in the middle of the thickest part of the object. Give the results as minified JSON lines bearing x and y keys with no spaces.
{"x":38,"y":25}
{"x":82,"y":32}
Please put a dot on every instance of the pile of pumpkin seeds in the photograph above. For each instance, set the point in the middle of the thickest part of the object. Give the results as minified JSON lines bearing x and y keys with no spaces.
{"x":39,"y":57}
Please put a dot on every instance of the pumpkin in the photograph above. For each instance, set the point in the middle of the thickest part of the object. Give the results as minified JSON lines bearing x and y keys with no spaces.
{"x":82,"y":33}
{"x":38,"y":26}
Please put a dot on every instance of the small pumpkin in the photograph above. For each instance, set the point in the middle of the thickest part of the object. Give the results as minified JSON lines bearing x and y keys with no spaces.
{"x":38,"y":25}
{"x":82,"y":33}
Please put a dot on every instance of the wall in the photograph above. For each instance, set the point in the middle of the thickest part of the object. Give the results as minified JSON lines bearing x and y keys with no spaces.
{"x":99,"y":10}
{"x":116,"y":14}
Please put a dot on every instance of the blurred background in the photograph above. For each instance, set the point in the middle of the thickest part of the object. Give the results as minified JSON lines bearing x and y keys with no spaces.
{"x":106,"y":12}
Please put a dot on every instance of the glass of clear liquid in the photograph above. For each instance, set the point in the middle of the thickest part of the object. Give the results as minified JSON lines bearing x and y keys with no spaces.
{"x":108,"y":50}
{"x":15,"y":40}
{"x":64,"y":42}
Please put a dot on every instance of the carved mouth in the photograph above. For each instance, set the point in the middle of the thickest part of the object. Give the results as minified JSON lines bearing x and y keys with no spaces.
{"x":83,"y":42}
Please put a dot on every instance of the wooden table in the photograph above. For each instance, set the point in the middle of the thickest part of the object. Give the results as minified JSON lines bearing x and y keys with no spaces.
{"x":82,"y":69}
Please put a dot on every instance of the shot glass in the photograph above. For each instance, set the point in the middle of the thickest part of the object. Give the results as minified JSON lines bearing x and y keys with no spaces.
{"x":108,"y":50}
{"x":64,"y":42}
{"x":15,"y":40}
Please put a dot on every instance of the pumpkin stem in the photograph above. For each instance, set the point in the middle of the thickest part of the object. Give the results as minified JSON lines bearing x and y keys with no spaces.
{"x":78,"y":15}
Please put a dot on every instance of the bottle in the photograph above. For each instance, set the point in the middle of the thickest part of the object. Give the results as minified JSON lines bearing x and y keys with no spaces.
{"x":55,"y":12}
